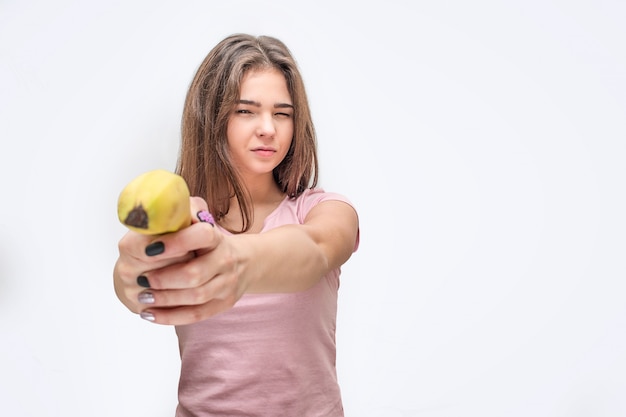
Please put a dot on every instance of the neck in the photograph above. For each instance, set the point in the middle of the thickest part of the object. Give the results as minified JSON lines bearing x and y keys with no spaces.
{"x":263,"y":190}
{"x":265,"y":197}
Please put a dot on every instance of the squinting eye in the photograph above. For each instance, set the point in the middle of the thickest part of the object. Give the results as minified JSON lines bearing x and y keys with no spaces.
{"x":243,"y":111}
{"x":283,"y":114}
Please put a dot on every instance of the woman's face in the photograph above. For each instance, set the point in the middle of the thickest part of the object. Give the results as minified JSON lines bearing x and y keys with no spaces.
{"x":260,"y":128}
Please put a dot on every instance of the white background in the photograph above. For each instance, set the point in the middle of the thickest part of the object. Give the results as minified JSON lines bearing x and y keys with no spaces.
{"x":483,"y":142}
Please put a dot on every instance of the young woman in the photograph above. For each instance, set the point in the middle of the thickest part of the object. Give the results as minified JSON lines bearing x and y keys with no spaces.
{"x":253,"y":298}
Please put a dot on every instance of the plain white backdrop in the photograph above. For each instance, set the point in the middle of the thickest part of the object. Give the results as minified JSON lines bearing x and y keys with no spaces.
{"x":483,"y":142}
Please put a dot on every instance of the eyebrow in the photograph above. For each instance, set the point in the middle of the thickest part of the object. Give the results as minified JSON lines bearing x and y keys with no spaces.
{"x":257,"y":104}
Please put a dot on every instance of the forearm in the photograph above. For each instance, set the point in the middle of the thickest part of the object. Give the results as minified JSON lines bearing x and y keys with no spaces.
{"x":285,"y":259}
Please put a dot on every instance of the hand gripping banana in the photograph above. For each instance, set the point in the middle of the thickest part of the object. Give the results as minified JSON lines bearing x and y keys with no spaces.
{"x":154,"y":203}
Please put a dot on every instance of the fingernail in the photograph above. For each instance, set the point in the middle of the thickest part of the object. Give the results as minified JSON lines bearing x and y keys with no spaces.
{"x":146,"y":315}
{"x":206,"y":217}
{"x":142,"y":281}
{"x":155,"y":248}
{"x":146,"y":297}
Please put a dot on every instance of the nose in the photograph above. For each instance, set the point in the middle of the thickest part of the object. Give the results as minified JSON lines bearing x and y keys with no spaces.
{"x":266,"y":127}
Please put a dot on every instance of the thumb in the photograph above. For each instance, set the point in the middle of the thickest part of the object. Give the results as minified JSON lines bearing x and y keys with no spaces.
{"x":200,"y":211}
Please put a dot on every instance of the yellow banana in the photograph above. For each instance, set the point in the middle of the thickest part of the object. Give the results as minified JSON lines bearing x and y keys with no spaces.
{"x":154,"y":203}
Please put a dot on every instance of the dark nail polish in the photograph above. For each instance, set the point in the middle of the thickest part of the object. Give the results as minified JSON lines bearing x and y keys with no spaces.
{"x":142,"y":281}
{"x":155,"y":248}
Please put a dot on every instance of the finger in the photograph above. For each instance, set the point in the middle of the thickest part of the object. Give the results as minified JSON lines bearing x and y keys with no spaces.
{"x":178,"y":316}
{"x":135,"y":247}
{"x":198,"y":236}
{"x":197,"y":204}
{"x":133,"y":260}
{"x":140,"y":246}
{"x":219,"y":287}
{"x":194,"y":272}
{"x":200,"y":211}
{"x":133,"y":244}
{"x":129,"y":281}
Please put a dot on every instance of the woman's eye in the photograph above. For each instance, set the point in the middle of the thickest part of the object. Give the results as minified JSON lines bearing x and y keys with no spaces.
{"x":283,"y":114}
{"x":243,"y":111}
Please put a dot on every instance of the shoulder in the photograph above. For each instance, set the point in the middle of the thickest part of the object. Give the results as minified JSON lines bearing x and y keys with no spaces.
{"x":314,"y":196}
{"x":295,"y":210}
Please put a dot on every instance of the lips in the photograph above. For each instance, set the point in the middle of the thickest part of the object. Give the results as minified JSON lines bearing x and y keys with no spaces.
{"x":263,"y":151}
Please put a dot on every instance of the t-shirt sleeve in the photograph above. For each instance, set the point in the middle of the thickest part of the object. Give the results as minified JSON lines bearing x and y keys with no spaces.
{"x":313,"y":197}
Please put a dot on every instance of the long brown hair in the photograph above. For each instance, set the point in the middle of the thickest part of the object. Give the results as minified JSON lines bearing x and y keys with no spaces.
{"x":204,"y":158}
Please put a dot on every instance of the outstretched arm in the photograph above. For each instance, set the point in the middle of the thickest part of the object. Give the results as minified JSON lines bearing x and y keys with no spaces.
{"x":201,"y":272}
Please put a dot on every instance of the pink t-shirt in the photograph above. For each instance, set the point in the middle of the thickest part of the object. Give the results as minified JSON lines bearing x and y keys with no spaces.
{"x":271,"y":354}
